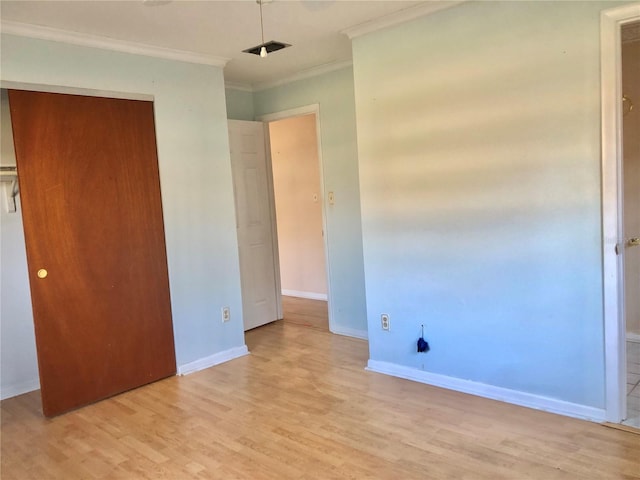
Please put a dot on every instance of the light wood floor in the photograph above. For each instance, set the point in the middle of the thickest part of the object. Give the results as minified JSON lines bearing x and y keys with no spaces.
{"x":306,"y":313}
{"x":301,"y":406}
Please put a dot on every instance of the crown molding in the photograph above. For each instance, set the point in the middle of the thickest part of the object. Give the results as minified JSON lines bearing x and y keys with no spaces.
{"x":308,"y":73}
{"x":399,"y":17}
{"x":243,"y":87}
{"x":105,"y":43}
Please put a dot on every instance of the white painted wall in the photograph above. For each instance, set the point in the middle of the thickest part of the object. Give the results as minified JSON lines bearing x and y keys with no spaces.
{"x":479,"y":156}
{"x":197,"y":195}
{"x":298,"y":199}
{"x":333,"y":92}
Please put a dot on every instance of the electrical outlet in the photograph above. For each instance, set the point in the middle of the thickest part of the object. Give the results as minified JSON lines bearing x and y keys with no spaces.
{"x":384,"y":320}
{"x":226,"y":314}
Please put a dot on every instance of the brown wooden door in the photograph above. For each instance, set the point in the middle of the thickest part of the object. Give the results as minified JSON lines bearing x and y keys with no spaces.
{"x":90,"y":194}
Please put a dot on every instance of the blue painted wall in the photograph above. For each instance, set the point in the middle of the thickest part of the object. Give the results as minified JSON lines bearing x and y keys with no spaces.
{"x":239,"y":104}
{"x":479,"y":156}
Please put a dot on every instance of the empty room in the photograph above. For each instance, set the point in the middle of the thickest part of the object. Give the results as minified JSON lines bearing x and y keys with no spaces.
{"x":315,"y":239}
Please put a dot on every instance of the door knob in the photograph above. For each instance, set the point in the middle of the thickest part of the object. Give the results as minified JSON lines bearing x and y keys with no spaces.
{"x":42,"y":273}
{"x":633,"y":242}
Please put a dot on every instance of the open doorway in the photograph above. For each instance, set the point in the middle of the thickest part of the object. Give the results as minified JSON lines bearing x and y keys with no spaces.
{"x":619,"y":28}
{"x":630,"y":49}
{"x":284,"y":267}
{"x":298,"y":195}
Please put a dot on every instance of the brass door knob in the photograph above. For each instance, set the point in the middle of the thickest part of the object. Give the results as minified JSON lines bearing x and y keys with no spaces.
{"x":42,"y":273}
{"x":633,"y":242}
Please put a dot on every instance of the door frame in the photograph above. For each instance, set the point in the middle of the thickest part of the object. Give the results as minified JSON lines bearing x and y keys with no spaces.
{"x":292,"y":113}
{"x":86,"y":92}
{"x":611,"y":21}
{"x":65,"y":396}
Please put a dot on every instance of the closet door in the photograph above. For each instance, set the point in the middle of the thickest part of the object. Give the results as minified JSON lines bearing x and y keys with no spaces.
{"x":90,"y":194}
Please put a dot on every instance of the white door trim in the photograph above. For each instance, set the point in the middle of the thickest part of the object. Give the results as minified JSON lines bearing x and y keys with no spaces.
{"x":298,"y":112}
{"x":86,"y":92}
{"x":611,"y":21}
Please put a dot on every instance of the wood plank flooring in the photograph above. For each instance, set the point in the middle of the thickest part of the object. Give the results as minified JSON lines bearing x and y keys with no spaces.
{"x":301,"y":406}
{"x":305,"y":312}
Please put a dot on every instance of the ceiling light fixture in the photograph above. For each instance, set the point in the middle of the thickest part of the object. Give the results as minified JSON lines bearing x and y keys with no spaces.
{"x":265,"y":48}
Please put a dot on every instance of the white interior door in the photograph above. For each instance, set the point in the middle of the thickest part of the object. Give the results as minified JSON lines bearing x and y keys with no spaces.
{"x":261,"y":299}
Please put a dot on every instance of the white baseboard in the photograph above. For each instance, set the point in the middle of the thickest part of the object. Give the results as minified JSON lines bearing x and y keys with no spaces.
{"x":216,"y":359}
{"x":351,"y":332}
{"x":212,"y":360}
{"x":516,"y":397}
{"x":309,"y":295}
{"x":19,"y":388}
{"x":633,"y":337}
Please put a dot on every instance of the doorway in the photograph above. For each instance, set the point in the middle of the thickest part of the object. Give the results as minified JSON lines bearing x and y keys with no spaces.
{"x":630,"y":49}
{"x":296,"y":162}
{"x":619,"y":28}
{"x":296,"y":184}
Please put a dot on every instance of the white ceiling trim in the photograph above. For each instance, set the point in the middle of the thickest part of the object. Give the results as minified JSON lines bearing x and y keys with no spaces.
{"x":401,"y":16}
{"x":310,"y":72}
{"x":105,"y":43}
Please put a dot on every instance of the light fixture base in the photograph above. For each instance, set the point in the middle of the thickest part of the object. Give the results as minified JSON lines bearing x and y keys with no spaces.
{"x":271,"y":46}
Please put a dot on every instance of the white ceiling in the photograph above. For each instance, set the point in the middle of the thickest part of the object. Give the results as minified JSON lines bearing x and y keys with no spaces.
{"x":218,"y":28}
